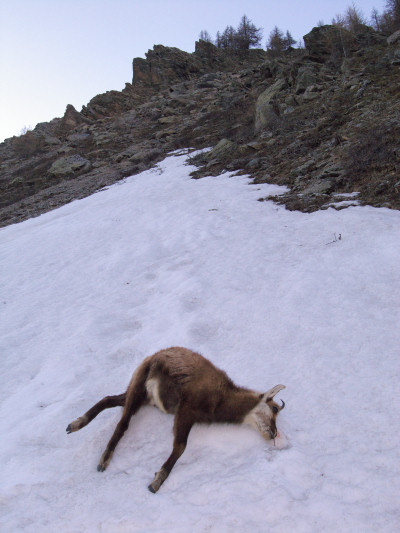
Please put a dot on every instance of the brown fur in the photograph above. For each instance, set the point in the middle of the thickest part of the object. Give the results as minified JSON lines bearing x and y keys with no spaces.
{"x":186,"y":384}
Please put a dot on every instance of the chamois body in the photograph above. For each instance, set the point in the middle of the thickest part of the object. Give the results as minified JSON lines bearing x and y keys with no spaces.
{"x":184,"y":383}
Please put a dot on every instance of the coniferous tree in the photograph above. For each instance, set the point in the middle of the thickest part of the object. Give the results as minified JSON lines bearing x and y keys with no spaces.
{"x":276,"y":41}
{"x":387,"y":23}
{"x":393,"y":10}
{"x":339,"y":21}
{"x":247,"y":34}
{"x":289,"y":41}
{"x":240,"y":39}
{"x":354,"y":19}
{"x":375,"y":19}
{"x":205,"y":36}
{"x":228,"y":38}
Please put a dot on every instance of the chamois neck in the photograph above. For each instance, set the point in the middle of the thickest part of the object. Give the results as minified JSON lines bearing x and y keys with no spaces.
{"x":236,"y":404}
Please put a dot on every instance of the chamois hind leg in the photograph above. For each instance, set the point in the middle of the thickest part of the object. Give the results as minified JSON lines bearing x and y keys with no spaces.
{"x":182,"y":425}
{"x":136,"y":396}
{"x":136,"y":400}
{"x":105,"y":403}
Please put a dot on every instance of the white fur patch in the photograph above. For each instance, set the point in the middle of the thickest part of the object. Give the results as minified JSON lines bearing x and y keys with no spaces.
{"x":259,"y":418}
{"x":152,"y":387}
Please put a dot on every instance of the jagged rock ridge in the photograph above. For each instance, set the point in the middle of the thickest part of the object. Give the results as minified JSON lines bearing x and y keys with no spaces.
{"x":322,"y":121}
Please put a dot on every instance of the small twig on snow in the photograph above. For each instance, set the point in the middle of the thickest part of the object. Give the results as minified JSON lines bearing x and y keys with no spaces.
{"x":335,"y":239}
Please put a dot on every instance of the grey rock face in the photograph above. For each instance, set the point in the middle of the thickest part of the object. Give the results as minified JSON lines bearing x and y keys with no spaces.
{"x":69,"y":166}
{"x":266,"y":108}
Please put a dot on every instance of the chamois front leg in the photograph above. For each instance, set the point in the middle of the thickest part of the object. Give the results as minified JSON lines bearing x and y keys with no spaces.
{"x":105,"y":403}
{"x":182,"y":425}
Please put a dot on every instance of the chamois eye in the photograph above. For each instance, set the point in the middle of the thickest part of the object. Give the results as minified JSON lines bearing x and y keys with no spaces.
{"x":274,"y":409}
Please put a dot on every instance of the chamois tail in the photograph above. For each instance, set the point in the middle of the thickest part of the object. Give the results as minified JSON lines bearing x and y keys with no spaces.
{"x":136,"y":392}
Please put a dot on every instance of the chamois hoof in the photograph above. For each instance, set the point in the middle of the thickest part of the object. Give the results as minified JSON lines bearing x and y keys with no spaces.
{"x":158,"y":480}
{"x":104,"y":461}
{"x":77,"y":424}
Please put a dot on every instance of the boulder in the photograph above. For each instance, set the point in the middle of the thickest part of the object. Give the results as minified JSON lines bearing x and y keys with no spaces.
{"x":395,"y":59}
{"x":319,"y":187}
{"x":394,"y":38}
{"x":328,"y":41}
{"x":267,"y":111}
{"x":71,"y":119}
{"x":105,"y":105}
{"x":220,"y":150}
{"x":79,"y":137}
{"x":367,"y":36}
{"x":311,"y":93}
{"x":304,"y":168}
{"x":206,"y":51}
{"x":70,"y":165}
{"x":306,"y":76}
{"x":167,"y":120}
{"x":164,"y":65}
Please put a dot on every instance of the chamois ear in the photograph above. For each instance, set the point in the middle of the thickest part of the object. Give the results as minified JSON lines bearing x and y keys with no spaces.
{"x":271,"y":393}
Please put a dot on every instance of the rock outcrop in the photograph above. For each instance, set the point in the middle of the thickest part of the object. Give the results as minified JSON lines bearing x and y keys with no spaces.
{"x":267,"y":110}
{"x":323,"y":121}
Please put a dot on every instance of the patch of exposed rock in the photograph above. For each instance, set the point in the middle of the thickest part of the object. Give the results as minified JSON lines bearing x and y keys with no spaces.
{"x":322,"y":121}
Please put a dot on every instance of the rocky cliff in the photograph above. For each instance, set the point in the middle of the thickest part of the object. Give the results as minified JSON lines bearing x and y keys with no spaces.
{"x":324,"y":121}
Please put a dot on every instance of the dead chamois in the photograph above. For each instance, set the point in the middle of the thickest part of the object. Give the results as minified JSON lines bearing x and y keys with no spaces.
{"x":186,"y":384}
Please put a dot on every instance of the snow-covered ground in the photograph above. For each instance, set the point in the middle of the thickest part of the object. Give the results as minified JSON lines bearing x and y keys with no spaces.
{"x":270,"y":296}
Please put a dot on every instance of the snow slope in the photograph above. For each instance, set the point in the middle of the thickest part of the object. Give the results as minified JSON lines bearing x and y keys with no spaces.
{"x":159,"y":260}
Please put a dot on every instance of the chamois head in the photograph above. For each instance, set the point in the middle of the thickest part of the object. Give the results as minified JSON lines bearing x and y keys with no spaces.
{"x":263,"y":416}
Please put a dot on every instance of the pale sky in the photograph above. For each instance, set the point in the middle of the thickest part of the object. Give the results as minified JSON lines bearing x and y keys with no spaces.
{"x":54,"y":53}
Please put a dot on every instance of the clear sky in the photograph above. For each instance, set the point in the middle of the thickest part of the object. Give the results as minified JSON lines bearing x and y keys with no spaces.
{"x":54,"y":53}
